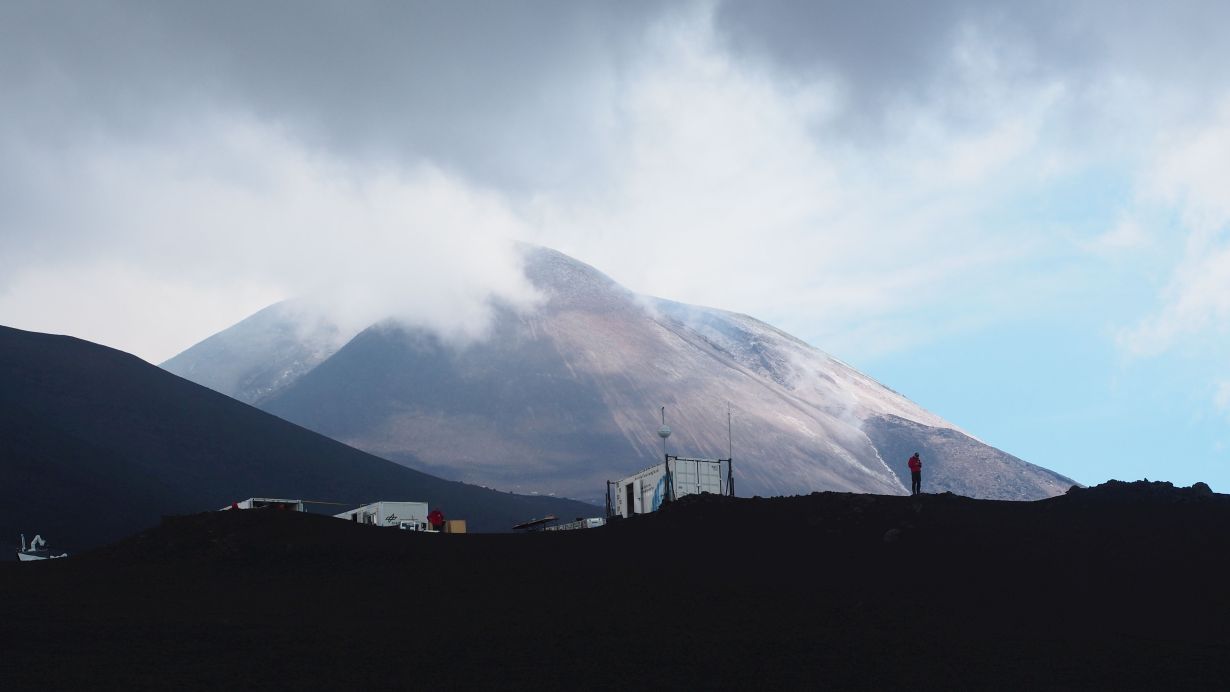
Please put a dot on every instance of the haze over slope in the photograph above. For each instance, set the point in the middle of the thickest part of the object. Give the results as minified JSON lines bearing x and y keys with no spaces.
{"x":96,"y":444}
{"x":564,"y":397}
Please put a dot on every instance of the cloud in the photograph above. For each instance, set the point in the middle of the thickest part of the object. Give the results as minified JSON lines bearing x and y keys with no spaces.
{"x":884,"y":51}
{"x":482,"y":90}
{"x":852,"y":172}
{"x":189,"y":224}
{"x":1192,"y":175}
{"x":1126,"y":236}
{"x":1196,"y":307}
{"x":736,"y":188}
{"x":1192,"y":172}
{"x":1221,"y":397}
{"x":100,"y":302}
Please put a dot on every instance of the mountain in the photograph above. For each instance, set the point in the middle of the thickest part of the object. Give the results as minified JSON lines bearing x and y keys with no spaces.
{"x":96,"y":444}
{"x":264,"y":352}
{"x":566,"y":396}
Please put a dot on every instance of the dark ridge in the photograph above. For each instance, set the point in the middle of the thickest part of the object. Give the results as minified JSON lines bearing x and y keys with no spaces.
{"x":1120,"y":586}
{"x":96,"y":444}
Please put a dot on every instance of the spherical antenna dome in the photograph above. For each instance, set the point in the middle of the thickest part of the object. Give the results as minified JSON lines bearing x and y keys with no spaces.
{"x":664,"y":432}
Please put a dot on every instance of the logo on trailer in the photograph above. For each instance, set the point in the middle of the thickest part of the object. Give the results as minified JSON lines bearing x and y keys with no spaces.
{"x":658,"y":491}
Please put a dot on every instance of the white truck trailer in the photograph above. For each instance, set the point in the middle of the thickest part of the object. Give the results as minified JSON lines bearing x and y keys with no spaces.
{"x":411,"y":516}
{"x":584,"y":523}
{"x":271,"y":502}
{"x":645,"y":492}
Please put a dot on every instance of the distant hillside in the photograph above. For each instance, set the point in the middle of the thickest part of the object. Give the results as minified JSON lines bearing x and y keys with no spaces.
{"x":96,"y":444}
{"x":566,"y":396}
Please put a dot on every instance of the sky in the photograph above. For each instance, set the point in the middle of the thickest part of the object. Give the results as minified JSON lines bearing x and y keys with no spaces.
{"x":1016,"y":214}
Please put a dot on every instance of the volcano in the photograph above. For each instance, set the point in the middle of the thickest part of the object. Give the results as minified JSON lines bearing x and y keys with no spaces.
{"x":560,"y":398}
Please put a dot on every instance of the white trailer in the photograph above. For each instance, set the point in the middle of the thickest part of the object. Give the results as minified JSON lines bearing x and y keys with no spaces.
{"x":411,"y":516}
{"x":589,"y":523}
{"x":271,"y":502}
{"x":645,"y":492}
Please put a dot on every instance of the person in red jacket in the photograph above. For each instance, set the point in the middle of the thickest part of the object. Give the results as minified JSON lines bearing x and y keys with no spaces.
{"x":436,"y":518}
{"x":915,"y":475}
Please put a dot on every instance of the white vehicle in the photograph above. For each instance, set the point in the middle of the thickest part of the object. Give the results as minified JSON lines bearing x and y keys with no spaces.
{"x":37,"y":550}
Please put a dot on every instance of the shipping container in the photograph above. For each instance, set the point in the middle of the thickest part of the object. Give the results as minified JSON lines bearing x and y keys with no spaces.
{"x":645,"y":492}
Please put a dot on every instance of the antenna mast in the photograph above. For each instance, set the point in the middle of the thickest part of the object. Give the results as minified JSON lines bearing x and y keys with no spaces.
{"x":730,"y":456}
{"x":730,"y":445}
{"x":665,"y":432}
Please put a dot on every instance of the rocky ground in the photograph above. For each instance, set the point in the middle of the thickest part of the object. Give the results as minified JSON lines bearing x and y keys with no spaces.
{"x":1121,"y":586}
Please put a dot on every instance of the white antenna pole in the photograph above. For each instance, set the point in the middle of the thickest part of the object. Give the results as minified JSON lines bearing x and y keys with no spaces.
{"x":665,"y":432}
{"x":730,"y":455}
{"x":730,"y":444}
{"x":663,"y":428}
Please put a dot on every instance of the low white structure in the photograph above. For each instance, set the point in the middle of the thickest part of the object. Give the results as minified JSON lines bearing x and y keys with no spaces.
{"x":645,"y":492}
{"x":590,"y":523}
{"x":407,"y":515}
{"x":272,"y":502}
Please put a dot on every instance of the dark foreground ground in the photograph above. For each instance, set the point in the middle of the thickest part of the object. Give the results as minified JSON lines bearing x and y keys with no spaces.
{"x":1123,"y":586}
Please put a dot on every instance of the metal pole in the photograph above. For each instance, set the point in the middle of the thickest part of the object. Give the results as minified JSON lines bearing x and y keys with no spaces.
{"x":663,"y":425}
{"x":730,"y":456}
{"x":666,"y":465}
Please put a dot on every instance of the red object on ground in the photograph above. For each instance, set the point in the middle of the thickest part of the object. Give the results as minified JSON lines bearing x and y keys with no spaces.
{"x":436,"y":518}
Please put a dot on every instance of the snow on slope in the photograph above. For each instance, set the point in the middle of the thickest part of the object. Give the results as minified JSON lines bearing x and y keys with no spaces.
{"x":811,"y":374}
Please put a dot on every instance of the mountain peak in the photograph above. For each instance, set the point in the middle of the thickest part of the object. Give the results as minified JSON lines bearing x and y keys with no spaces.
{"x":569,"y":281}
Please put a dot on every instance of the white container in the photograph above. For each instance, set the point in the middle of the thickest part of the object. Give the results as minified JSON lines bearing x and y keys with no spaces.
{"x":411,"y":516}
{"x":645,"y":491}
{"x":273,"y":502}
